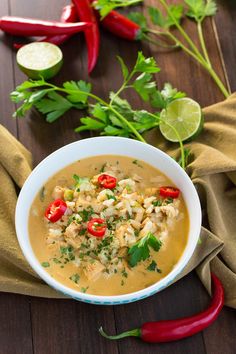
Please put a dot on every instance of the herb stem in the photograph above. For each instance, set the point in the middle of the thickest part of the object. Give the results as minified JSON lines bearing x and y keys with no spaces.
{"x":181,"y":30}
{"x":203,"y":44}
{"x":98,"y":99}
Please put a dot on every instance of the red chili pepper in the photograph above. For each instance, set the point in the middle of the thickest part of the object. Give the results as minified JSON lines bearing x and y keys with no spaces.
{"x":55,"y":210}
{"x":68,"y":14}
{"x":172,"y":330}
{"x":92,"y":35}
{"x":171,"y":192}
{"x":97,"y":227}
{"x":121,"y":26}
{"x":32,"y":27}
{"x":107,"y":181}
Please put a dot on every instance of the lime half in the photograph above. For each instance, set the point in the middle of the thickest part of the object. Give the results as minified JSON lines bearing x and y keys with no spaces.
{"x":183,"y":114}
{"x":40,"y":59}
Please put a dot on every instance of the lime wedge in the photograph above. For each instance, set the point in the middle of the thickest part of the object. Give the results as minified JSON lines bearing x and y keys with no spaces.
{"x":40,"y":59}
{"x":185,"y":115}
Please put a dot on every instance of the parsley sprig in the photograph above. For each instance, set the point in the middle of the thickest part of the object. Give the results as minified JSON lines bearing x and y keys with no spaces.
{"x":171,"y":17}
{"x":112,"y":117}
{"x":141,"y":250}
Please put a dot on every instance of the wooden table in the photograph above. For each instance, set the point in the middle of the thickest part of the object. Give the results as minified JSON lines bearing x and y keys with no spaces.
{"x":42,"y":326}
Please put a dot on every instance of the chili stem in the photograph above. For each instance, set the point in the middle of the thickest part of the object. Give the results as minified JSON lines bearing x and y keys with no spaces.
{"x":132,"y":333}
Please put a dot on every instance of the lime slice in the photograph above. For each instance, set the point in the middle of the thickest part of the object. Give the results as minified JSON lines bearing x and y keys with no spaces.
{"x":185,"y":115}
{"x":40,"y":59}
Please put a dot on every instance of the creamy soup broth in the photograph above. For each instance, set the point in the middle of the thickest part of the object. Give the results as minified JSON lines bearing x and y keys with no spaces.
{"x":126,"y":279}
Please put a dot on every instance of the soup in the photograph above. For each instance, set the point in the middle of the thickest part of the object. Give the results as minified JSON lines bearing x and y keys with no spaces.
{"x":108,"y":225}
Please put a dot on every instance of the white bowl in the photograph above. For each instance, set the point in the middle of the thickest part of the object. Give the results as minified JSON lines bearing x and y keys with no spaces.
{"x":107,"y":146}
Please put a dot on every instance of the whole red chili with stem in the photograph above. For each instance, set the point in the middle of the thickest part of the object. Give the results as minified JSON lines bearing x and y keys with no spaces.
{"x":20,"y":26}
{"x":92,"y":35}
{"x":55,"y":210}
{"x":68,"y":14}
{"x":172,"y":330}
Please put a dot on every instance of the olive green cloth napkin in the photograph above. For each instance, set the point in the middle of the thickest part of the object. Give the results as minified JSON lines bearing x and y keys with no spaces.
{"x":213,"y":171}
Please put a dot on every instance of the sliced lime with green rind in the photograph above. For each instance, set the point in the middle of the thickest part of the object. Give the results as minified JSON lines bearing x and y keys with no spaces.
{"x":185,"y":116}
{"x":40,"y":59}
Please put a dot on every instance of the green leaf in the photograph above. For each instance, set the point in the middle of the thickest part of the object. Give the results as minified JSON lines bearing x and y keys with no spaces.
{"x":140,"y":251}
{"x":36,"y":96}
{"x":54,"y":106}
{"x":122,"y":106}
{"x":114,"y":131}
{"x":75,"y":278}
{"x":80,"y":180}
{"x":166,"y":22}
{"x":140,"y":19}
{"x":156,"y":16}
{"x":144,"y":87}
{"x":199,"y":9}
{"x":153,"y":267}
{"x":177,"y":13}
{"x":77,"y":96}
{"x":99,"y":112}
{"x":145,"y":121}
{"x":90,"y":124}
{"x":124,"y":68}
{"x":30,"y":84}
{"x":106,"y":6}
{"x":146,"y":65}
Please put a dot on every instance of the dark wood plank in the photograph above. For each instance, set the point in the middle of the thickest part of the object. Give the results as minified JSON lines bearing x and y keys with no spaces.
{"x":67,"y":326}
{"x":15,"y":333}
{"x":181,"y":299}
{"x":7,"y":75}
{"x":226,"y":30}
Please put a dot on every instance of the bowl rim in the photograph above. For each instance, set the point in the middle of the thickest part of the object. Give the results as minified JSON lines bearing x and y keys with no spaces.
{"x":105,"y":299}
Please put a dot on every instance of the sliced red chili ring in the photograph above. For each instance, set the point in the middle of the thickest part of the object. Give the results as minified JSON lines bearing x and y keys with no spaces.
{"x":107,"y":181}
{"x":97,"y":227}
{"x":171,"y":192}
{"x":55,"y":210}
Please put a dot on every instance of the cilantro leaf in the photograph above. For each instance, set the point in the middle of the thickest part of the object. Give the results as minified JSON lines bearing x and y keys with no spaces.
{"x":54,"y":106}
{"x":167,"y":21}
{"x":153,"y":267}
{"x":124,"y":68}
{"x":77,"y":96}
{"x":144,"y":87}
{"x":145,"y":65}
{"x":199,"y":9}
{"x":170,"y":94}
{"x":80,"y":180}
{"x":140,"y":251}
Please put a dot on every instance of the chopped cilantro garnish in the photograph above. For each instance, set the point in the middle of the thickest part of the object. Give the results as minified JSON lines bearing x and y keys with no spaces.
{"x":102,"y":169}
{"x":42,"y":194}
{"x":45,"y":264}
{"x":55,"y":260}
{"x":85,"y":214}
{"x":75,"y":278}
{"x":140,"y":251}
{"x":84,"y":289}
{"x":124,"y":273}
{"x":157,"y":203}
{"x":136,"y":162}
{"x":169,"y":200}
{"x":111,"y":196}
{"x":153,"y":267}
{"x":128,"y":188}
{"x":122,"y":282}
